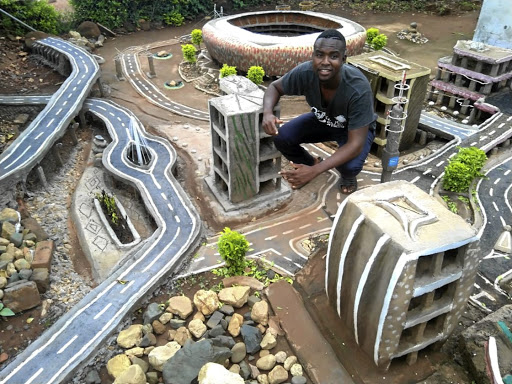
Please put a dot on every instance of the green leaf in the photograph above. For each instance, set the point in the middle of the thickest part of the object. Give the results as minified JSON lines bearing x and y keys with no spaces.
{"x":6,"y":312}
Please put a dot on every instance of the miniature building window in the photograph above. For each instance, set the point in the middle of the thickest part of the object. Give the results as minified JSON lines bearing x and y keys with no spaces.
{"x":216,"y":140}
{"x":217,"y":119}
{"x":267,"y":147}
{"x":451,"y":259}
{"x":434,"y":327}
{"x":220,"y":183}
{"x":217,"y":160}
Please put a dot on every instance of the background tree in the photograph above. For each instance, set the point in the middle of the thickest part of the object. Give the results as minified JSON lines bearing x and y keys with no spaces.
{"x":38,"y":14}
{"x":227,"y":70}
{"x":379,"y":42}
{"x":256,"y":74}
{"x":197,"y":37}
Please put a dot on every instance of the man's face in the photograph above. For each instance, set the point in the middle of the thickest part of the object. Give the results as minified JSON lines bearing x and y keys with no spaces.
{"x":328,"y":57}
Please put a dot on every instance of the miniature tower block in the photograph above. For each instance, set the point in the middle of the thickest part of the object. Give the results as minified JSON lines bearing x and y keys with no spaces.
{"x":246,"y":164}
{"x":400,"y":269}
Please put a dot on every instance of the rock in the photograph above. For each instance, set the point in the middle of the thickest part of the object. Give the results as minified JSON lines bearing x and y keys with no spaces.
{"x":277,"y":375}
{"x":223,"y":341}
{"x":147,"y":340}
{"x":41,"y":277}
{"x":181,"y":306}
{"x":160,"y":355}
{"x":245,"y":371}
{"x":93,"y":377}
{"x":30,"y":237}
{"x":170,"y":334}
{"x":214,"y":319}
{"x":10,"y":215}
{"x":8,"y":230}
{"x":290,"y":360}
{"x":152,"y":313}
{"x":1,"y":294}
{"x":251,"y":300}
{"x":235,"y":324}
{"x":177,"y":323}
{"x":262,"y":379}
{"x":299,"y":380}
{"x":130,"y":337}
{"x":235,"y":368}
{"x":259,"y":312}
{"x":266,"y":363}
{"x":3,"y":357}
{"x":165,"y":317}
{"x":280,"y":357}
{"x":21,"y":264}
{"x":199,"y":316}
{"x":268,"y":342}
{"x":212,"y":373}
{"x":185,"y":365}
{"x":182,"y":335}
{"x":25,"y":275}
{"x":264,"y":352}
{"x":132,"y":375}
{"x":238,"y":352}
{"x":260,"y":327}
{"x":152,"y":377}
{"x":89,"y":30}
{"x":17,"y":239}
{"x":252,"y":338}
{"x":197,"y":328}
{"x":158,"y":327}
{"x":3,"y":282}
{"x":216,"y":331}
{"x":235,"y":296}
{"x":134,"y":352}
{"x":22,"y":296}
{"x":35,"y":228}
{"x":145,"y":25}
{"x":296,"y":370}
{"x":274,"y":327}
{"x":32,"y":37}
{"x":206,"y":302}
{"x":227,"y":310}
{"x":255,"y":372}
{"x":117,"y":365}
{"x":243,"y":281}
{"x":43,"y":254}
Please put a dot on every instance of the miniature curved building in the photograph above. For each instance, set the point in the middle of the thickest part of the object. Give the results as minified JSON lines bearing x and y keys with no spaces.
{"x":276,"y":40}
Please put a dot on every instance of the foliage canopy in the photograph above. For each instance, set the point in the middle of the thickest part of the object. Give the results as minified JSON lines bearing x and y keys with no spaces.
{"x":256,"y":74}
{"x":38,"y":14}
{"x":232,"y":247}
{"x":463,"y":168}
{"x":227,"y":70}
{"x":189,"y":53}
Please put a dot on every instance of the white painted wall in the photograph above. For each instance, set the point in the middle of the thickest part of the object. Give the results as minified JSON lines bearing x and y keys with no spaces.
{"x":494,"y":25}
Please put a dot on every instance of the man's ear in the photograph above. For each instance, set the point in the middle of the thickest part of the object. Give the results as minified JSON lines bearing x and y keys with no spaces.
{"x":344,"y":58}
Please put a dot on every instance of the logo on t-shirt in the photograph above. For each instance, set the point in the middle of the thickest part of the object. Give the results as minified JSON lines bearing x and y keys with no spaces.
{"x":338,"y":122}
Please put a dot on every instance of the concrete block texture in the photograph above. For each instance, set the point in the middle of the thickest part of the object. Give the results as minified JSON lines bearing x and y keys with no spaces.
{"x":400,"y":268}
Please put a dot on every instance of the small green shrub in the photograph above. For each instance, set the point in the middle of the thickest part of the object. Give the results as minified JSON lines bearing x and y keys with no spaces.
{"x":38,"y":14}
{"x":227,"y":70}
{"x":173,"y":18}
{"x":109,"y":203}
{"x":4,"y":311}
{"x":189,"y":53}
{"x":197,"y":37}
{"x":379,"y":42}
{"x":371,"y":33}
{"x":256,"y":74}
{"x":451,"y":205}
{"x":463,"y":168}
{"x":232,"y":247}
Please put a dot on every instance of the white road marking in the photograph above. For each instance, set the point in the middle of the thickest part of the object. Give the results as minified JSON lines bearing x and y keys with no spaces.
{"x":491,"y":192}
{"x":438,"y":164}
{"x":50,"y":123}
{"x":415,"y":179}
{"x":38,"y":136}
{"x":67,"y":344}
{"x":497,"y":180}
{"x":163,"y":196}
{"x":127,"y":286}
{"x":270,"y":238}
{"x":102,"y":311}
{"x":305,"y":226}
{"x":287,"y":232}
{"x":170,"y":207}
{"x":427,"y":171}
{"x":495,"y":206}
{"x":507,"y":172}
{"x":503,"y":221}
{"x":34,"y":376}
{"x":19,"y":157}
{"x":177,"y":218}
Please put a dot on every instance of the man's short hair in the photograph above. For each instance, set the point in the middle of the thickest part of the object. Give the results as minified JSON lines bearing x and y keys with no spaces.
{"x":332,"y":34}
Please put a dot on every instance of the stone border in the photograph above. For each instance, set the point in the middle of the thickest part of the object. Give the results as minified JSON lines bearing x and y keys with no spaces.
{"x":109,"y":229}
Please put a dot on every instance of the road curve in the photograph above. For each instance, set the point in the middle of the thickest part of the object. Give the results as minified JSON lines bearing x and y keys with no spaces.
{"x":38,"y":138}
{"x":65,"y":345}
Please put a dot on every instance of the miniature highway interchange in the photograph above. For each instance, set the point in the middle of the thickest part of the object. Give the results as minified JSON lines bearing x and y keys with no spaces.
{"x":178,"y":224}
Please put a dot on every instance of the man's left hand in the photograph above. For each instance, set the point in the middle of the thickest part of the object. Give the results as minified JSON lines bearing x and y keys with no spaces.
{"x":300,"y":175}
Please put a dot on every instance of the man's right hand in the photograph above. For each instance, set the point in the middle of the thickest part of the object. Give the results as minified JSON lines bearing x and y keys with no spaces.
{"x":270,"y":123}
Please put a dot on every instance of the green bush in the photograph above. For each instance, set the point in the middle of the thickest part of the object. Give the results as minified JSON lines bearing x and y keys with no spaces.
{"x":463,"y":168}
{"x":371,"y":33}
{"x":189,"y":53}
{"x":379,"y":42}
{"x":232,"y":247}
{"x":255,"y":74}
{"x":38,"y":14}
{"x":227,"y":70}
{"x":174,"y":18}
{"x":197,"y":37}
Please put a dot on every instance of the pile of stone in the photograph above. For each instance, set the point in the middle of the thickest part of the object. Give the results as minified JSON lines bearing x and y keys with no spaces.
{"x":25,"y":260}
{"x":88,"y":35}
{"x":412,"y":34}
{"x":224,"y":338}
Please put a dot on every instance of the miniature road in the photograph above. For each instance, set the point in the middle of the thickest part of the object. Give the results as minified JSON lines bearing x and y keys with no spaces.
{"x":37,"y":139}
{"x":66,"y":344}
{"x":131,"y":68}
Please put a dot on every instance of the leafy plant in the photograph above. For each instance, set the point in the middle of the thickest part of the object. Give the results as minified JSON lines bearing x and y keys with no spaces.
{"x":38,"y":14}
{"x":256,"y":74}
{"x":232,"y":247}
{"x":227,"y":70}
{"x":379,"y":42}
{"x":173,"y":18}
{"x":4,"y":311}
{"x":189,"y":53}
{"x":197,"y":37}
{"x":451,"y":205}
{"x":463,"y":168}
{"x":371,"y":33}
{"x":109,"y":202}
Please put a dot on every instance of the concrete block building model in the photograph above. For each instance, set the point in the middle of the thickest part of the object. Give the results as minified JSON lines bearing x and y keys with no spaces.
{"x":400,"y":269}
